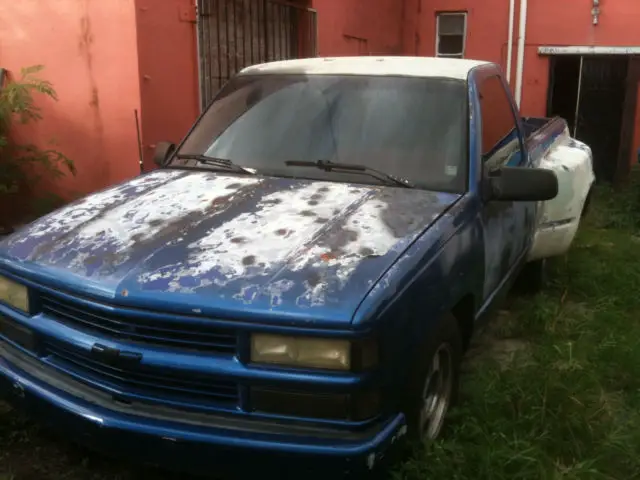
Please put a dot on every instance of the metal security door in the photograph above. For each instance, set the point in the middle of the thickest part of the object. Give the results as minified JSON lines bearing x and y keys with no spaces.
{"x":627,"y":129}
{"x":599,"y":112}
{"x":233,"y":34}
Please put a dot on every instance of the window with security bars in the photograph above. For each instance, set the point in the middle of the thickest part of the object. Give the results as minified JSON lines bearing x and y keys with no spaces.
{"x":451,"y":32}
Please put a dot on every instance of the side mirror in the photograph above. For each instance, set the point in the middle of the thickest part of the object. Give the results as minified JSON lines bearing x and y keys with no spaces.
{"x":521,"y":184}
{"x":163,"y":152}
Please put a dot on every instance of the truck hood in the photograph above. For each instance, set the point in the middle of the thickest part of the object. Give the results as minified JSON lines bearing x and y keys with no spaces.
{"x":219,"y":243}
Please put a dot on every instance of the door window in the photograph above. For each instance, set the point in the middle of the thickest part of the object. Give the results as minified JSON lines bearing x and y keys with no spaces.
{"x":500,"y":140}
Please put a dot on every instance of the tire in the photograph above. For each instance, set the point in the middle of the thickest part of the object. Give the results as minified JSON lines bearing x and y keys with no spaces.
{"x":533,"y":277}
{"x":440,"y":354}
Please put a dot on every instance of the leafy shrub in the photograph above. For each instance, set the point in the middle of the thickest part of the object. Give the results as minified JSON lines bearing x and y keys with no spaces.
{"x":26,"y":164}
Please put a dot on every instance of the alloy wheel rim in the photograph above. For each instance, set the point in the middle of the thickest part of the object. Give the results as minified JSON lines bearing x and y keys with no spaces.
{"x":436,"y":393}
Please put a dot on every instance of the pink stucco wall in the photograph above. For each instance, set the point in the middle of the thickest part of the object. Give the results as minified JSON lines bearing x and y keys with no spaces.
{"x":88,"y":50}
{"x":359,"y":27}
{"x":168,"y":80}
{"x":107,"y":58}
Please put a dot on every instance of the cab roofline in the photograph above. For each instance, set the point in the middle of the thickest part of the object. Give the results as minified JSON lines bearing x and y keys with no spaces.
{"x":392,"y":66}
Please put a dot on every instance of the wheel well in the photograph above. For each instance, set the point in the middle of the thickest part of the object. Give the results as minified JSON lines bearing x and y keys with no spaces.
{"x":463,"y":311}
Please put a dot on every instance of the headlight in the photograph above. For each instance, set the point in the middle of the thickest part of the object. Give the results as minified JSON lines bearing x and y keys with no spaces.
{"x":14,"y":294}
{"x":301,"y":351}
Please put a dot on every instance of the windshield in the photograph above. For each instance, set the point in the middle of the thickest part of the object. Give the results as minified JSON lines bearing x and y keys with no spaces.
{"x":411,"y":128}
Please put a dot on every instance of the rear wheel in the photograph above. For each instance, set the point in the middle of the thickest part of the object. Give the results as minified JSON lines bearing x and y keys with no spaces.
{"x":433,"y":387}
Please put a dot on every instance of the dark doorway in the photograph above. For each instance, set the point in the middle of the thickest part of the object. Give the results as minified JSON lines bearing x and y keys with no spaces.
{"x":589,"y":92}
{"x":600,"y":111}
{"x":563,"y":88}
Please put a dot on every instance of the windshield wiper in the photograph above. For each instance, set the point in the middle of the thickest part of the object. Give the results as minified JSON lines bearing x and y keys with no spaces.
{"x":329,"y":166}
{"x":216,"y":162}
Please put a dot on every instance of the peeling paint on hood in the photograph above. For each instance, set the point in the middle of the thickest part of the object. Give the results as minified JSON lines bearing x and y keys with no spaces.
{"x":274,"y":243}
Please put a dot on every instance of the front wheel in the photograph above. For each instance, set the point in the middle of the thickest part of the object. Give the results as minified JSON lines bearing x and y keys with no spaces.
{"x":434,"y":384}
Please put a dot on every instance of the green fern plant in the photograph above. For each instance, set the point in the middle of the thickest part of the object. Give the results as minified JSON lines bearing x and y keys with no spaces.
{"x":26,"y":164}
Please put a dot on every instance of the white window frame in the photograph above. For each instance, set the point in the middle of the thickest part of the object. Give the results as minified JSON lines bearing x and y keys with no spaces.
{"x":464,"y":34}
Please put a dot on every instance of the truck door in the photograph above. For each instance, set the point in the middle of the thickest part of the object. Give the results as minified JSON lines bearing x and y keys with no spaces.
{"x":507,"y":225}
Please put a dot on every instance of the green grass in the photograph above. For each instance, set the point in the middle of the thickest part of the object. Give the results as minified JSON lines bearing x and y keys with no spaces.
{"x":553,"y":388}
{"x":567,"y":405}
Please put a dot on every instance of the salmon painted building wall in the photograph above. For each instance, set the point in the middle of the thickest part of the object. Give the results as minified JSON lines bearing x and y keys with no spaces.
{"x":167,"y":71}
{"x":106,"y":59}
{"x":87,"y":49}
{"x":360,"y":27}
{"x":109,"y":58}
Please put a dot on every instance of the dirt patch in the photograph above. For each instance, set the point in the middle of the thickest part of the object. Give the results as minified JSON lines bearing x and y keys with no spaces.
{"x":4,"y":408}
{"x":493,"y":343}
{"x":30,"y":452}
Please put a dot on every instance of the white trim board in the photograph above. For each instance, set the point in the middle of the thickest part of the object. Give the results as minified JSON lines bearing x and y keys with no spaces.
{"x":588,"y":50}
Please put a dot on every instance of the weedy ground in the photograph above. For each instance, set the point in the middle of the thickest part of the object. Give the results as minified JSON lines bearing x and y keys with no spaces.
{"x":553,"y":386}
{"x":551,"y":389}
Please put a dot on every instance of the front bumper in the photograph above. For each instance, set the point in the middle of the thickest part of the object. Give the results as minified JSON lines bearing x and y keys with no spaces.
{"x":183,"y":441}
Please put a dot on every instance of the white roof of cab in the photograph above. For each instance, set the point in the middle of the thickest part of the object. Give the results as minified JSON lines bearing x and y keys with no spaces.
{"x":394,"y":66}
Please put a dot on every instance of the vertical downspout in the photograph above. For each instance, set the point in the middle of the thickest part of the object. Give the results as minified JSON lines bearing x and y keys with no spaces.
{"x":199,"y":53}
{"x":512,"y":5}
{"x":575,"y":117}
{"x":522,"y":32}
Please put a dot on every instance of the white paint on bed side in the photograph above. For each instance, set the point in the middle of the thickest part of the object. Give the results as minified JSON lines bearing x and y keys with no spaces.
{"x":573,"y":164}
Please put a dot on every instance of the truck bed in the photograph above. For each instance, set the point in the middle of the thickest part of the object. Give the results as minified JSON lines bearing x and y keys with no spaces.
{"x":542,"y":133}
{"x":551,"y":146}
{"x":531,"y":124}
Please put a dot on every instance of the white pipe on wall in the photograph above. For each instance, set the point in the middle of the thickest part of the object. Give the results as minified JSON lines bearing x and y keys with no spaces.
{"x":512,"y":6}
{"x":522,"y":32}
{"x":575,"y":116}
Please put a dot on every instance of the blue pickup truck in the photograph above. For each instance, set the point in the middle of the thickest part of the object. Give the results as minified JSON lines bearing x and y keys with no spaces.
{"x":298,"y":281}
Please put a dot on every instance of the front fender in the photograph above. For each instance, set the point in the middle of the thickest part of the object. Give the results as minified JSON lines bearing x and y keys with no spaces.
{"x":445,"y":265}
